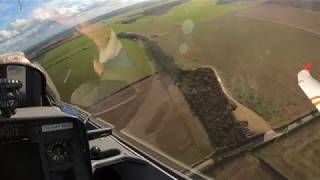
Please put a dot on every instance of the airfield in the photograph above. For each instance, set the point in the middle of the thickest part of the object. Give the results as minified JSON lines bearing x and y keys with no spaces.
{"x":257,"y":55}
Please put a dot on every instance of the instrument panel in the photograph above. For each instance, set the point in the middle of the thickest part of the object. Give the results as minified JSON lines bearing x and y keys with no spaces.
{"x":18,"y":73}
{"x":51,"y":148}
{"x":33,"y":90}
{"x":59,"y":151}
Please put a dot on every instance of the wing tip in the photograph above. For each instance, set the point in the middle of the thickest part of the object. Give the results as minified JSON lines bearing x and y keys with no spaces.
{"x":308,"y":67}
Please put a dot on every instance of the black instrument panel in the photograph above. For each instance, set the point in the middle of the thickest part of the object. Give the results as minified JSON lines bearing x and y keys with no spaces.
{"x":51,"y":148}
{"x":33,"y":91}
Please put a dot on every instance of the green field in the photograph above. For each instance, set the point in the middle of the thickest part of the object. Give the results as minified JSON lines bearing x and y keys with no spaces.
{"x":76,"y":56}
{"x":265,"y":56}
{"x":258,"y":61}
{"x":71,"y":65}
{"x":194,"y":10}
{"x":249,"y":97}
{"x":217,"y":40}
{"x":296,"y":155}
{"x":199,"y":10}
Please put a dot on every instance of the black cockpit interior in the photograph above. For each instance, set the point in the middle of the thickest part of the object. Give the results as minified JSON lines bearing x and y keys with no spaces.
{"x":33,"y":90}
{"x":46,"y":147}
{"x":41,"y":141}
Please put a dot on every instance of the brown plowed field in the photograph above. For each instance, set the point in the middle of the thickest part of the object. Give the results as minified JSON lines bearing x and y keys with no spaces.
{"x":159,"y":116}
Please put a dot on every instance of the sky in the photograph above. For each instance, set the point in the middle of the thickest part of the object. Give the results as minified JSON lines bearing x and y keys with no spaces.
{"x":24,"y":23}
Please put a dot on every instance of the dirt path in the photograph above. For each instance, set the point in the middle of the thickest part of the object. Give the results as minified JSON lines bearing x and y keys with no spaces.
{"x":242,"y":113}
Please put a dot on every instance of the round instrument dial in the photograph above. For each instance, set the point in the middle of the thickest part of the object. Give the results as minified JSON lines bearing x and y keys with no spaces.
{"x":59,"y":151}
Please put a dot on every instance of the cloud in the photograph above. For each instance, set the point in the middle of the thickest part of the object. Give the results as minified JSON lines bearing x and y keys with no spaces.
{"x":67,"y":11}
{"x":20,"y":23}
{"x":42,"y":14}
{"x":53,"y":17}
{"x":37,"y":32}
{"x":53,"y":10}
{"x":14,"y":29}
{"x":5,"y":34}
